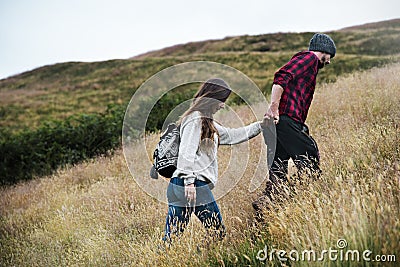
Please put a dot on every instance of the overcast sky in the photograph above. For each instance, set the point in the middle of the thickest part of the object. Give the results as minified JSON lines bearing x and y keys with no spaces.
{"x":40,"y":32}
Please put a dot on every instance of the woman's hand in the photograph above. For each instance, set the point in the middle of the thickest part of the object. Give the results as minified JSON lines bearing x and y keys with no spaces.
{"x":190,"y":193}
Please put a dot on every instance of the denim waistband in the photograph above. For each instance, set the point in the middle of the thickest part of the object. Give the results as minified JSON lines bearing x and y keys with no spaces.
{"x":180,"y":181}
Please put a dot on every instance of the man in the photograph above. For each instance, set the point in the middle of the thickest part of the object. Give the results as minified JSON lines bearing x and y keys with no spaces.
{"x":291,"y":96}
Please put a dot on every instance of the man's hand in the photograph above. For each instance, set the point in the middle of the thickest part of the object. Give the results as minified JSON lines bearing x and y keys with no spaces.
{"x":190,"y":193}
{"x":272,"y":114}
{"x":273,"y":109}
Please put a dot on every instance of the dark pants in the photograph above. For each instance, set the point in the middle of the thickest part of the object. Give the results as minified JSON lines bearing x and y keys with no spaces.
{"x":179,"y":210}
{"x":292,"y":141}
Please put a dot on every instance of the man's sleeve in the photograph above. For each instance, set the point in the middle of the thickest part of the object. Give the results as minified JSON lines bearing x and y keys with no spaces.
{"x":295,"y":67}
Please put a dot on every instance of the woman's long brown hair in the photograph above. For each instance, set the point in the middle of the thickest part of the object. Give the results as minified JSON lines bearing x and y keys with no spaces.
{"x":209,"y":95}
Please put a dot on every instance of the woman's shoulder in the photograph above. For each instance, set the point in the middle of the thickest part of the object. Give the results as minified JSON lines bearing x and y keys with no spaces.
{"x":194,"y":116}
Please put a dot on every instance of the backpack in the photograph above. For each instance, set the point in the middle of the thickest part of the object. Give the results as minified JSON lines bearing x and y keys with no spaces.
{"x":165,"y":155}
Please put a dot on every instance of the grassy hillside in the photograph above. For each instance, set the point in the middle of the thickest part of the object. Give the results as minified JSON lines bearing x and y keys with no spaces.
{"x":61,"y":90}
{"x":369,"y":39}
{"x":94,"y":214}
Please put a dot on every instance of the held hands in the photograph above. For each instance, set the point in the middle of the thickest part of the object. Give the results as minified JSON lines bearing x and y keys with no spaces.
{"x":190,"y":193}
{"x":272,"y":114}
{"x":273,"y":109}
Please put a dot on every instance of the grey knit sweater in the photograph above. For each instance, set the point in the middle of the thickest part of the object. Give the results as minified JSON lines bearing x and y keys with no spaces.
{"x":198,"y":160}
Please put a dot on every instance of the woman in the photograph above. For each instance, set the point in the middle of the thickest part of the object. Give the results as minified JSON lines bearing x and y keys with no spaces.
{"x":197,"y":172}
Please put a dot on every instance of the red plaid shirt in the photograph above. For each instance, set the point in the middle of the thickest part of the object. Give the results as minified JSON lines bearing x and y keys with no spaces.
{"x":298,"y":79}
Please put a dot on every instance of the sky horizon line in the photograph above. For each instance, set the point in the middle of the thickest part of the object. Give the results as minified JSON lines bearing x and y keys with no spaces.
{"x":187,"y":42}
{"x":45,"y":32}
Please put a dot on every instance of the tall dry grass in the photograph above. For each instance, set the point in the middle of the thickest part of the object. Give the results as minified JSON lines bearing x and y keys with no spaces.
{"x":356,"y":123}
{"x":94,"y":214}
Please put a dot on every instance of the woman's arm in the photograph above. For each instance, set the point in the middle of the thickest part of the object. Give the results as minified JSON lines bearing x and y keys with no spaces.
{"x":229,"y":136}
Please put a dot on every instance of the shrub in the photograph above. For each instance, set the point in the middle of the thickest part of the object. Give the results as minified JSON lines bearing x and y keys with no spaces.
{"x":58,"y":143}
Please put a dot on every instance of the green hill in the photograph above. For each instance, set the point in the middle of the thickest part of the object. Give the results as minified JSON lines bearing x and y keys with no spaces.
{"x":60,"y":90}
{"x":369,"y":39}
{"x":46,"y":114}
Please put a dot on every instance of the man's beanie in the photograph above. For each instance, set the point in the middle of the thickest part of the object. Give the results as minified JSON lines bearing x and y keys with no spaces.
{"x":323,"y":43}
